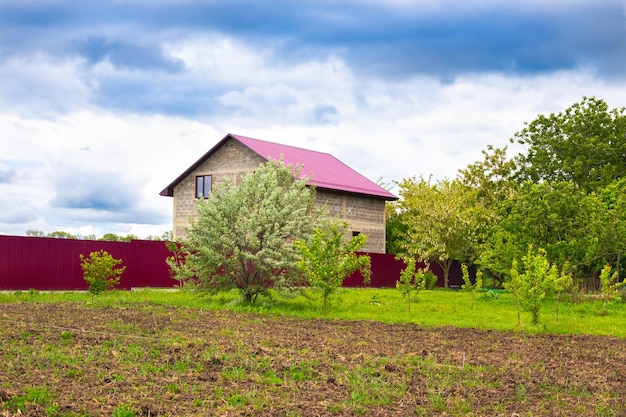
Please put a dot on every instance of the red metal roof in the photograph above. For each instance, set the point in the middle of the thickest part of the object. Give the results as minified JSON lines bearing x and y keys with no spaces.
{"x":327,"y":172}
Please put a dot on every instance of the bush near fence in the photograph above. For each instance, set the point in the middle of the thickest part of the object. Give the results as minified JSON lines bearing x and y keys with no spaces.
{"x":42,"y":263}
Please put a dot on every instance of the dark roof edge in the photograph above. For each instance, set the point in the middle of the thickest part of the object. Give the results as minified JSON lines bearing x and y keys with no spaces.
{"x":169,"y":190}
{"x":368,"y":195}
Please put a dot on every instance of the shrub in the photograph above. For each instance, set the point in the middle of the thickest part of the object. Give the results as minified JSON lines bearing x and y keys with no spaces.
{"x":101,"y":271}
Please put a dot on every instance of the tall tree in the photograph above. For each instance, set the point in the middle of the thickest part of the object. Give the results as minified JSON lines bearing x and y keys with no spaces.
{"x":442,"y":221}
{"x":557,"y":216}
{"x":585,"y":144}
{"x":244,"y":235}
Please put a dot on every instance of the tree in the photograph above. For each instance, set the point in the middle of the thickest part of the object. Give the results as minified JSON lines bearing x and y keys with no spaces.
{"x":470,"y":286}
{"x":613,"y":198}
{"x":244,"y":235}
{"x":59,"y":234}
{"x":533,"y":283}
{"x":562,"y":282}
{"x":557,"y":216}
{"x":112,"y":237}
{"x":412,"y":280}
{"x":609,"y":285}
{"x":585,"y":144}
{"x":492,"y":177}
{"x":34,"y":233}
{"x":329,"y":258}
{"x":443,"y":222}
{"x":101,"y":271}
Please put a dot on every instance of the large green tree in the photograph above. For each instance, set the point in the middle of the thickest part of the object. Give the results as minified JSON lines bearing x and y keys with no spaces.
{"x":562,"y":192}
{"x":244,"y":235}
{"x":443,"y":221}
{"x":585,"y":144}
{"x":558,"y":216}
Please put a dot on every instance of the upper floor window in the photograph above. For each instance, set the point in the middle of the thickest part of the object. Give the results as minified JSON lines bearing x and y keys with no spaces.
{"x":203,"y":186}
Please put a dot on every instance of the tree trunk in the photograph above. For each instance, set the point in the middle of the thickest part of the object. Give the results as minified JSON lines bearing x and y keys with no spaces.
{"x":445,"y":266}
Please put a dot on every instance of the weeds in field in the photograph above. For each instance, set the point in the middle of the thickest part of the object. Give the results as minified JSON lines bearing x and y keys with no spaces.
{"x":234,"y":370}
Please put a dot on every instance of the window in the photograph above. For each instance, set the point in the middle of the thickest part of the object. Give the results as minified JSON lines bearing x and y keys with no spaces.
{"x":355,"y":233}
{"x":203,"y":186}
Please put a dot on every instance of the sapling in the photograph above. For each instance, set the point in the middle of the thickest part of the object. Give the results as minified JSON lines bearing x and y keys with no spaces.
{"x":101,"y":271}
{"x":468,"y":285}
{"x":411,"y":280}
{"x":533,"y":284}
{"x":609,"y":287}
{"x":562,"y":282}
{"x":329,"y":258}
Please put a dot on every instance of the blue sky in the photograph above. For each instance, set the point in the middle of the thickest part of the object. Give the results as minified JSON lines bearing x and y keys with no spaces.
{"x":102,"y":104}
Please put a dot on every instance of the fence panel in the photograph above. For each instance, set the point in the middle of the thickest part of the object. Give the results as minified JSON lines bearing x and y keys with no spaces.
{"x":386,"y":271}
{"x":54,"y":264}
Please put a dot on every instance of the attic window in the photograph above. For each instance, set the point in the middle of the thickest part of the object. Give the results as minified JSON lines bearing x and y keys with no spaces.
{"x":203,"y":186}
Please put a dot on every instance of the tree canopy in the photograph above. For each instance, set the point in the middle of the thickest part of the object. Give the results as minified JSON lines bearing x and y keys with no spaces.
{"x":244,"y":234}
{"x":585,"y":144}
{"x":442,"y":220}
{"x":564,"y":193}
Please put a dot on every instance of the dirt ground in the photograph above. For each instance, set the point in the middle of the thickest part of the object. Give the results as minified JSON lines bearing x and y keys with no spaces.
{"x":75,"y":360}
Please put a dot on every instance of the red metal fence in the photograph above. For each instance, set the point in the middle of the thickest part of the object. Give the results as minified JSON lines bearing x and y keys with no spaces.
{"x":54,"y":264}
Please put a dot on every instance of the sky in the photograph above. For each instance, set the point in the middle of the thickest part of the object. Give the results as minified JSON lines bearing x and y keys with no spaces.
{"x":104,"y":103}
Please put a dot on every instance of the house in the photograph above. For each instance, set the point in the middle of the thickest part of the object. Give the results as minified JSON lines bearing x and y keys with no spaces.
{"x":343,"y":191}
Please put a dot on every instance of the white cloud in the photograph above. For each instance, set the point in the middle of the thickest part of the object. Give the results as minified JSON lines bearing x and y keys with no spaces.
{"x":91,"y":133}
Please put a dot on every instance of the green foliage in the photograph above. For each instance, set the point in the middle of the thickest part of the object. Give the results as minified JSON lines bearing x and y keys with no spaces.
{"x":430,"y":280}
{"x":565,"y":192}
{"x":562,"y":282}
{"x":609,"y":285}
{"x":560,"y":217}
{"x":328,"y":259}
{"x":39,"y":395}
{"x":101,"y":271}
{"x":412,"y":280}
{"x":470,"y":286}
{"x":534,"y":282}
{"x":112,"y":237}
{"x":244,"y":235}
{"x":584,"y":144}
{"x":443,"y":221}
{"x":123,"y":411}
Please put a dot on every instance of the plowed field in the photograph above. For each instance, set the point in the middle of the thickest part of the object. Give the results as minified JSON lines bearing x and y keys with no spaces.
{"x":73,"y":360}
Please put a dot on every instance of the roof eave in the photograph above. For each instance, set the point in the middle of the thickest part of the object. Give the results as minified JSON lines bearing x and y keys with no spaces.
{"x":169,"y":190}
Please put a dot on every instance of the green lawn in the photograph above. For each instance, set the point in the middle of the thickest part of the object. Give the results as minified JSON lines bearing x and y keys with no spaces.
{"x":431,"y":309}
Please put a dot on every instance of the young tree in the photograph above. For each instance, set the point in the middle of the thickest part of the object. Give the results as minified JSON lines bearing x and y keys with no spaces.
{"x":244,"y":235}
{"x":470,"y":286}
{"x":609,"y":285}
{"x":101,"y":271}
{"x":443,"y":222}
{"x":329,"y":258}
{"x":562,"y":282}
{"x":534,"y":283}
{"x":412,"y":280}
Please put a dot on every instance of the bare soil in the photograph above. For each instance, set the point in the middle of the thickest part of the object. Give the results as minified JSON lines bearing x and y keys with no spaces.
{"x":75,"y":360}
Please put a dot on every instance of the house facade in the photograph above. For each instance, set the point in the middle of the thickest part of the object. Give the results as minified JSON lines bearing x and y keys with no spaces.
{"x":344,"y":192}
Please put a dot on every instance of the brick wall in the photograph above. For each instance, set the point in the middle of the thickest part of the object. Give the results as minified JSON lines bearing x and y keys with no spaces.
{"x":234,"y":160}
{"x":365,"y":215}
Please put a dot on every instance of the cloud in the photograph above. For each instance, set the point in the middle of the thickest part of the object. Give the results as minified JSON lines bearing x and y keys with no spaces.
{"x":102,"y":104}
{"x":6,"y":174}
{"x":125,"y":55}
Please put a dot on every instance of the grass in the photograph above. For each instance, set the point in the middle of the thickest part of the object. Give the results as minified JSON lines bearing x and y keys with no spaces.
{"x":435,"y":308}
{"x":132,"y":364}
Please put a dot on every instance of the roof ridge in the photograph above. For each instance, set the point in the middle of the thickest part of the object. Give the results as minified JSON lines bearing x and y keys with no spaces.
{"x":282,"y":144}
